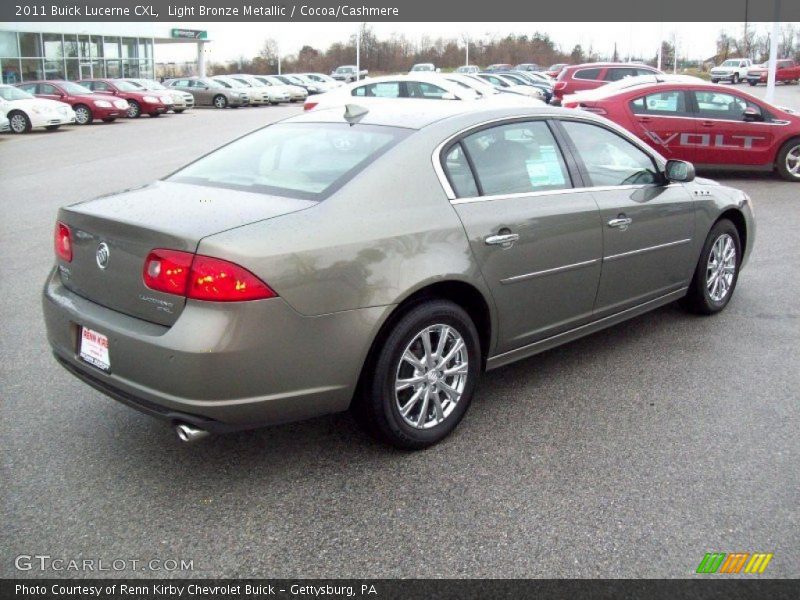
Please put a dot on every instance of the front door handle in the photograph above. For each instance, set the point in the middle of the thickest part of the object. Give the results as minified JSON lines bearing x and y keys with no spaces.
{"x":620,"y":222}
{"x":503,"y":239}
{"x":707,"y":123}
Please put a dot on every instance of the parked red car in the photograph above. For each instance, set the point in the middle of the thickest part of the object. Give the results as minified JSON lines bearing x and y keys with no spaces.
{"x":588,"y":76}
{"x":139,"y":101}
{"x":711,"y":125}
{"x":554,"y":70}
{"x":786,"y":71}
{"x":87,"y":104}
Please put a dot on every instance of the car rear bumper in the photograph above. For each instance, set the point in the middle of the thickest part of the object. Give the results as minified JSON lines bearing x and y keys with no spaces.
{"x":221,"y":366}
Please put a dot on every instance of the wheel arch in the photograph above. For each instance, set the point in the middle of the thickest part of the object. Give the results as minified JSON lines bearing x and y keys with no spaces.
{"x":792,"y":137}
{"x":735,"y":216}
{"x":461,"y":293}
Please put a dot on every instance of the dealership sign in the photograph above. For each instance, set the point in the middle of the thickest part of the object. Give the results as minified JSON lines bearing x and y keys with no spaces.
{"x":191,"y":34}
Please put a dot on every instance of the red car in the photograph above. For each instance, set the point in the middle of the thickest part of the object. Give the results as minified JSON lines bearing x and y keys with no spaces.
{"x":588,"y":76}
{"x":786,"y":71}
{"x":87,"y":104}
{"x":139,"y":100}
{"x":707,"y":124}
{"x":554,"y":70}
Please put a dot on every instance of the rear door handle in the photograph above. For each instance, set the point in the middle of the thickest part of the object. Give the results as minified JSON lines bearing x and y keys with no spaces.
{"x":707,"y":123}
{"x":643,"y":119}
{"x":504,"y":239}
{"x":620,"y":222}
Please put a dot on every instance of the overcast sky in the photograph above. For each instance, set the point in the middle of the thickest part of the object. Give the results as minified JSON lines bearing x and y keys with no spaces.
{"x":232,"y":40}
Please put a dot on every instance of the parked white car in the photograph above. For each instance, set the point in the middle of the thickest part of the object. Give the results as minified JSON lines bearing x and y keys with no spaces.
{"x":733,"y":70}
{"x":25,"y":112}
{"x":419,"y":86}
{"x":280,"y":89}
{"x":275,"y":94}
{"x":488,"y":91}
{"x":505,"y":83}
{"x":296,"y":93}
{"x":3,"y":124}
{"x":324,"y":82}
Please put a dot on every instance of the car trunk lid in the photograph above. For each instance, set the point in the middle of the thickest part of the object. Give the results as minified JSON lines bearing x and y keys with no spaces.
{"x":125,"y":227}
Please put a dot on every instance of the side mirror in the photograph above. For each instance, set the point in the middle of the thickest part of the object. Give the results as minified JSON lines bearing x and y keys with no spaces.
{"x":751,"y":114}
{"x":679,"y":170}
{"x":449,"y":96}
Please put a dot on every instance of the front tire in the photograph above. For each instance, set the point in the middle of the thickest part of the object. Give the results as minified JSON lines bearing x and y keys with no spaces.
{"x":134,"y":109}
{"x":19,"y":122}
{"x":715,"y":81}
{"x":83,"y":115}
{"x":735,"y":80}
{"x":752,"y":83}
{"x":788,"y":161}
{"x":420,"y":382}
{"x":717,"y":270}
{"x":220,"y":101}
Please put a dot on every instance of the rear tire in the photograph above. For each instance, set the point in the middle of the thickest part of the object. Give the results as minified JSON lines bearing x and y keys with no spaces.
{"x":753,"y":83}
{"x":717,"y":270}
{"x":788,"y":160}
{"x":83,"y":115}
{"x":433,"y":350}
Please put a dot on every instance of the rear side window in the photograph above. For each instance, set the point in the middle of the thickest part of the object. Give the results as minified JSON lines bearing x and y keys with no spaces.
{"x":459,"y":173}
{"x":617,"y":73}
{"x":517,"y":158}
{"x":586,"y":74}
{"x":385,"y":89}
{"x":298,"y":160}
{"x":663,"y":103}
{"x":425,"y":91}
{"x":609,"y":158}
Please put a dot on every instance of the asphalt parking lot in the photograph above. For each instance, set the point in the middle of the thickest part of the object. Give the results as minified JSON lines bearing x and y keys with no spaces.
{"x":629,"y":453}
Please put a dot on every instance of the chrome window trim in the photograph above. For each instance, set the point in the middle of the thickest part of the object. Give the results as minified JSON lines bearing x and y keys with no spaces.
{"x":650,"y":116}
{"x":613,"y":257}
{"x":553,"y":271}
{"x":436,"y":159}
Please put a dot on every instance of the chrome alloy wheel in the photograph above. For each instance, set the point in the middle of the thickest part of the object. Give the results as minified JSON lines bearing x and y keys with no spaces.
{"x":431,"y":376}
{"x":793,"y":161}
{"x":19,"y":123}
{"x":721,"y":267}
{"x":82,"y":115}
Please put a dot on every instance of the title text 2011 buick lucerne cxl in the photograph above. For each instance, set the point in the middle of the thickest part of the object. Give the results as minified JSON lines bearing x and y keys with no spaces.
{"x":379,"y":260}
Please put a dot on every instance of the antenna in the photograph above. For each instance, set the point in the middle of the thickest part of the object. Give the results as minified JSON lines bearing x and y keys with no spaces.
{"x":353,"y":113}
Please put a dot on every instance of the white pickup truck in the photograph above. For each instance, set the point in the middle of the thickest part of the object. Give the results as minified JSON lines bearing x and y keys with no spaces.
{"x":733,"y":70}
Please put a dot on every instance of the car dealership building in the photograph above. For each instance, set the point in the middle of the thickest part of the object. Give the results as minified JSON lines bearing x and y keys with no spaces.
{"x":30,"y":51}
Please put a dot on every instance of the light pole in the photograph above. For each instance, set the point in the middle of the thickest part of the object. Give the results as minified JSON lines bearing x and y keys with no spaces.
{"x":773,"y":52}
{"x":358,"y":53}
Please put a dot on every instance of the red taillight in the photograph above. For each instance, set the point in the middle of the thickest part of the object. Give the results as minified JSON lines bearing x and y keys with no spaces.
{"x":202,"y":277}
{"x":560,"y":85}
{"x":309,"y":105}
{"x":63,"y":242}
{"x":167,"y":271}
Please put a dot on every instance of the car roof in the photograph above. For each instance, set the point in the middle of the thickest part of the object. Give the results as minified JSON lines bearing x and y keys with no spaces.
{"x":409,"y":115}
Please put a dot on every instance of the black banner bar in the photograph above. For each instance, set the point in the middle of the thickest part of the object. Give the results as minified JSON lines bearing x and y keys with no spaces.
{"x":713,"y":11}
{"x":380,"y":589}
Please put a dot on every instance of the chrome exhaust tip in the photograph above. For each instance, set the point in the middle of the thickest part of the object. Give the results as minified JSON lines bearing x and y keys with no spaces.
{"x":188,"y":434}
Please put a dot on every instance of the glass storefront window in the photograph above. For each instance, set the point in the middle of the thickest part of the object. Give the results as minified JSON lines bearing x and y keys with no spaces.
{"x":53,"y":69}
{"x":96,"y":47}
{"x":73,"y":70}
{"x":70,"y":46}
{"x":128,"y":47}
{"x":9,"y":70}
{"x":32,"y":69}
{"x":113,"y":69}
{"x":146,"y":69}
{"x":111,"y":47}
{"x":98,"y":69}
{"x":8,"y":43}
{"x":30,"y":44}
{"x":130,"y":68}
{"x":53,"y":46}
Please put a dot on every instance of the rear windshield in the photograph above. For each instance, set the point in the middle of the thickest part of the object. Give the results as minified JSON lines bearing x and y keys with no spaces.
{"x":298,"y":160}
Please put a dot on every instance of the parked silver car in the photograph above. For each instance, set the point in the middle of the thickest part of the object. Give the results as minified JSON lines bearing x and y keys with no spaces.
{"x":379,"y":260}
{"x":209,"y":91}
{"x":181,"y":100}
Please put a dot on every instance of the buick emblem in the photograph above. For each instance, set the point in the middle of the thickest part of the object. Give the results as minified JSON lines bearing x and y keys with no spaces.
{"x":102,"y":255}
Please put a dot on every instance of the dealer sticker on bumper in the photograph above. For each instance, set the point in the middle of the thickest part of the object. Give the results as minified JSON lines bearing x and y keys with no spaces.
{"x":94,"y":349}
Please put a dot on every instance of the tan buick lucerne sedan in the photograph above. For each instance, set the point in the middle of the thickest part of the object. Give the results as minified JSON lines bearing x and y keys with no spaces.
{"x":379,"y":260}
